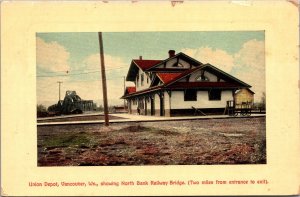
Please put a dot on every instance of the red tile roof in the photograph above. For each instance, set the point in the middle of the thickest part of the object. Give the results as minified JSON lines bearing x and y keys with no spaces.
{"x":130,"y":90}
{"x":167,"y":77}
{"x":145,"y":64}
{"x":203,"y":85}
{"x":182,"y":74}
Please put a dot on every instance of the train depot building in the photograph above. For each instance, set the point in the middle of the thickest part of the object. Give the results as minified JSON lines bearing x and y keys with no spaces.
{"x":179,"y":85}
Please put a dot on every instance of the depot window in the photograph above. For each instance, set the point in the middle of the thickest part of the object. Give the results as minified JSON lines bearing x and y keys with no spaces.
{"x":214,"y":95}
{"x":190,"y":95}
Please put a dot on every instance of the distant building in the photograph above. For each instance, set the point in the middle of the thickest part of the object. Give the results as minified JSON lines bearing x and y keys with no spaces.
{"x":120,"y":109}
{"x":171,"y":87}
{"x":244,"y":95}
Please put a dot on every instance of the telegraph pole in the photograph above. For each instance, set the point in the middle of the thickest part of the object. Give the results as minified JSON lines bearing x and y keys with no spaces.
{"x":103,"y":79}
{"x":59,"y":82}
{"x":124,"y":93}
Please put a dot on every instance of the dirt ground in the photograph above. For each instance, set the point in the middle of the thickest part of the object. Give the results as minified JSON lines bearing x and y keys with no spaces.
{"x":189,"y":142}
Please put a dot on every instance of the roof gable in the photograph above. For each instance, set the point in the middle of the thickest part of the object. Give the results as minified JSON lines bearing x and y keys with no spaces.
{"x":244,"y":89}
{"x":213,"y":69}
{"x":183,"y":75}
{"x":227,"y":76}
{"x":146,"y":64}
{"x":179,"y":55}
{"x":167,"y":77}
{"x":139,"y":64}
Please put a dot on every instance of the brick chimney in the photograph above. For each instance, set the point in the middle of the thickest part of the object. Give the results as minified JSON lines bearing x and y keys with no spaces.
{"x":141,"y":57}
{"x":171,"y":53}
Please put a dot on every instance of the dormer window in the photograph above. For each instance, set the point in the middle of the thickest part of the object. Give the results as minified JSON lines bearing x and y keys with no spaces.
{"x":137,"y":81}
{"x":202,"y":78}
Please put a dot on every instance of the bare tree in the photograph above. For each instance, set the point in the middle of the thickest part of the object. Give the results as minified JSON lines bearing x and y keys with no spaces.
{"x":41,"y":108}
{"x":263,"y":100}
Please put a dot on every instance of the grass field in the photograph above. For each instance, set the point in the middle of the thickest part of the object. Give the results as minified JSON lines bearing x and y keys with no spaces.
{"x":189,"y":142}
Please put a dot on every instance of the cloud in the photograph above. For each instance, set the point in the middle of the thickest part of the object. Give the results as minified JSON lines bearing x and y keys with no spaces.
{"x":217,"y":57}
{"x":254,"y":77}
{"x":248,"y":64}
{"x":51,"y":56}
{"x":87,"y":86}
{"x":48,"y":89}
{"x":92,"y":62}
{"x":252,"y":54}
{"x":115,"y":67}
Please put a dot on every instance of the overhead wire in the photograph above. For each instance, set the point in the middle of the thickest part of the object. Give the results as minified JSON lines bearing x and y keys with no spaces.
{"x":83,"y":73}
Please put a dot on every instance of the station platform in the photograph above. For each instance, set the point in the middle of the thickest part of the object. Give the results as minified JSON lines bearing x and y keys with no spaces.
{"x":123,"y":118}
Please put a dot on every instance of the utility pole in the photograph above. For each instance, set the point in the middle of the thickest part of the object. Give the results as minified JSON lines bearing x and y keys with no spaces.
{"x":59,"y":82}
{"x":124,"y":93}
{"x":103,"y":79}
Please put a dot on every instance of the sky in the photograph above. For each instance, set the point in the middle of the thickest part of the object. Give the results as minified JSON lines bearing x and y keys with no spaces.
{"x":73,"y":58}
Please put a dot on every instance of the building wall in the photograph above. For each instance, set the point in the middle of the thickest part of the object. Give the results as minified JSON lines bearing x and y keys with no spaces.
{"x":167,"y":103}
{"x":243,"y":96}
{"x":157,"y":104}
{"x":177,"y":100}
{"x":195,"y":75}
{"x":133,"y":107}
{"x":210,"y":76}
{"x":170,"y":63}
{"x":128,"y":106}
{"x":148,"y":104}
{"x":142,"y":106}
{"x":145,"y":84}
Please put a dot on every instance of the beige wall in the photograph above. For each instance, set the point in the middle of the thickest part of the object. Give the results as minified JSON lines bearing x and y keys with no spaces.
{"x":171,"y":62}
{"x":148,"y":104}
{"x":145,"y":84}
{"x":157,"y":105}
{"x":244,"y":96}
{"x":177,"y":100}
{"x":133,"y":107}
{"x":167,"y":104}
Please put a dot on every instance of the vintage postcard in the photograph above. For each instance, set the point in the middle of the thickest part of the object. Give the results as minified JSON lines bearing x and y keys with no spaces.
{"x":178,"y":107}
{"x":104,"y":98}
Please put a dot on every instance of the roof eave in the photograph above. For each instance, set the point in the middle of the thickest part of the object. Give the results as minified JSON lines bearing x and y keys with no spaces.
{"x":230,"y":76}
{"x":141,"y":92}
